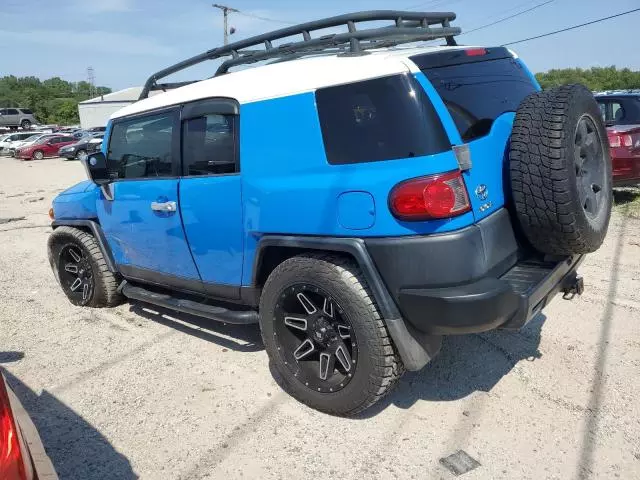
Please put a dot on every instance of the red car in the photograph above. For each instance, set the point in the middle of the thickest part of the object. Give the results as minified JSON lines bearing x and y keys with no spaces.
{"x":621,"y":112}
{"x":22,"y":456}
{"x":45,"y":147}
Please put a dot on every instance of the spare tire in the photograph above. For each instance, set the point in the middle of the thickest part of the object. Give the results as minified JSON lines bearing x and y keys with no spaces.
{"x":560,"y":171}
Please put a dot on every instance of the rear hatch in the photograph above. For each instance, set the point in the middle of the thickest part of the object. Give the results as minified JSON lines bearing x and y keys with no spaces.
{"x":481,"y":89}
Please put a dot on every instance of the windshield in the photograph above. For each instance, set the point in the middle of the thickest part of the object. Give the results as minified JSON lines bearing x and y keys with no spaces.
{"x":32,"y":138}
{"x":42,"y":140}
{"x":479,"y":92}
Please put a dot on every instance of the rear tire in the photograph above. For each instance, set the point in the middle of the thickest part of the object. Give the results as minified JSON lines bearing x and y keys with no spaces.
{"x":81,"y":270}
{"x":560,"y":170}
{"x":343,"y":304}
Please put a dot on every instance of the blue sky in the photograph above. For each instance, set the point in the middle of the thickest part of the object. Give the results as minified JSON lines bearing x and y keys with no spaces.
{"x":127,"y":40}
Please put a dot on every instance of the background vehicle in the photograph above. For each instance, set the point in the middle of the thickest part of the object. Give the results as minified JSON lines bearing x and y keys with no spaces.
{"x":360,"y":213}
{"x":9,"y":141}
{"x":44,"y":147}
{"x":97,"y":129}
{"x":80,"y":149}
{"x":17,"y":117}
{"x":30,"y":140}
{"x":621,"y":112}
{"x":22,"y":455}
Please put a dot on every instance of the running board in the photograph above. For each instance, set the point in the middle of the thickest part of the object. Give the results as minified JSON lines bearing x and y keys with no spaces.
{"x":220,"y":314}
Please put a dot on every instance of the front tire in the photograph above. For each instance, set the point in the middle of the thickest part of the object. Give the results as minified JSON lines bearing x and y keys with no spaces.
{"x":38,"y":155}
{"x":324,"y":335}
{"x":81,"y":155}
{"x":26,"y":124}
{"x":81,"y":270}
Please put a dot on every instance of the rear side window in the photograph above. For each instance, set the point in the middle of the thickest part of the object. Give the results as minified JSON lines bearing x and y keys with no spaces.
{"x":142,"y":147}
{"x":12,"y":111}
{"x":26,"y":111}
{"x":382,"y":119}
{"x":208,"y":145}
{"x":477,"y":93}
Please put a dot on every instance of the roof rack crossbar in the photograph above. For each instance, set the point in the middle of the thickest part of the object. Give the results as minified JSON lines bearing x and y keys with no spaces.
{"x":407,"y":27}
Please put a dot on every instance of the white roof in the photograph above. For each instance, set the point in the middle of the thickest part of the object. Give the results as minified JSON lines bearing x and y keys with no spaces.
{"x":288,"y":78}
{"x":127,"y":95}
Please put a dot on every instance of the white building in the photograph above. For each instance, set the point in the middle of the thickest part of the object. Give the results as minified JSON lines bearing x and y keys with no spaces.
{"x":95,"y":112}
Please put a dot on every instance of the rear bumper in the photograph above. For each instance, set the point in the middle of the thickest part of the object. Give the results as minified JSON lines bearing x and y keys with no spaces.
{"x":471,"y":280}
{"x":506,"y":302}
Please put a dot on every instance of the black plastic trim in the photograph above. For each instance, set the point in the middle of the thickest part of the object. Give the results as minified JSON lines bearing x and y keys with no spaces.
{"x":98,"y":234}
{"x":210,"y":106}
{"x":230,"y":293}
{"x":415,"y":348}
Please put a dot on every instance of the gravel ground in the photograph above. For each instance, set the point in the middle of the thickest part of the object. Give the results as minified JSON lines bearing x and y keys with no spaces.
{"x":136,"y":392}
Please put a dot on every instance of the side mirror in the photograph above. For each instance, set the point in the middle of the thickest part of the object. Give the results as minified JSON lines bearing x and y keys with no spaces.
{"x":96,"y":167}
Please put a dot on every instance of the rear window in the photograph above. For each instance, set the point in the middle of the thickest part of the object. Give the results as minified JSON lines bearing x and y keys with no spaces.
{"x":382,"y":119}
{"x":476,"y":93}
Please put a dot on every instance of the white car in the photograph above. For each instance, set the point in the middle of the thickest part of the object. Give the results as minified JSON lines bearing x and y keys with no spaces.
{"x":9,"y":140}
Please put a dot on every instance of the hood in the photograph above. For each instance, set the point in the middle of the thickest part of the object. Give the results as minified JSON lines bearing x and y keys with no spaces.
{"x":83,"y":186}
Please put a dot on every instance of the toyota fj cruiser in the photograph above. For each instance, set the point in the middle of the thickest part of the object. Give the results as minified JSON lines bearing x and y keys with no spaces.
{"x":357,"y":197}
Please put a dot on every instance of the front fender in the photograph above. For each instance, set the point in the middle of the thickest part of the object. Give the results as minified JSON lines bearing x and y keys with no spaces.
{"x":77,"y":202}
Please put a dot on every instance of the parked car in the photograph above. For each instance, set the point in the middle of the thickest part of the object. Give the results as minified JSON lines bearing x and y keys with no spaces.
{"x":17,"y":117}
{"x":23,"y":455}
{"x":30,"y":140}
{"x":94,"y":145}
{"x":355,"y":206}
{"x":97,"y":129}
{"x":44,"y":147}
{"x":80,"y":149}
{"x":10,"y":140}
{"x":621,"y":112}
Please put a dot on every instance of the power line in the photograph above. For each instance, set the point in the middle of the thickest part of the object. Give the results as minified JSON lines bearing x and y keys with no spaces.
{"x":572,"y":27}
{"x":509,"y":17}
{"x":266,"y":19}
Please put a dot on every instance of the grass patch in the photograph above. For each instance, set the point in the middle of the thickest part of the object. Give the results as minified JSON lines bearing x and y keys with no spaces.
{"x":627,"y":201}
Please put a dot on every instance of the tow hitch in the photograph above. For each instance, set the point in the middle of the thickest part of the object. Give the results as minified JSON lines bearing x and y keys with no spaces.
{"x":572,"y":287}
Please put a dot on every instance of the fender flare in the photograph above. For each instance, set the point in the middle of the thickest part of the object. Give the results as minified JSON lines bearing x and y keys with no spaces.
{"x":415,"y":348}
{"x":98,"y":234}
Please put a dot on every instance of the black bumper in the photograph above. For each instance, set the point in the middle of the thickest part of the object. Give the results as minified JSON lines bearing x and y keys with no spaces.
{"x":471,"y":280}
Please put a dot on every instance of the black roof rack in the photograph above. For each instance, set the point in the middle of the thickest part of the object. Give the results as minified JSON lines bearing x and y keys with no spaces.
{"x":407,"y":27}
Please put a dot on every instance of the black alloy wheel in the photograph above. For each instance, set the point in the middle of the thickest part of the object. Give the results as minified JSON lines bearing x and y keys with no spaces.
{"x":76,"y":275}
{"x":315,"y":338}
{"x":589,"y":163}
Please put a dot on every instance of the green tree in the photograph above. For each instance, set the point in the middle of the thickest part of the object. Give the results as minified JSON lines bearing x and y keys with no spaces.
{"x":53,"y":100}
{"x":596,"y":78}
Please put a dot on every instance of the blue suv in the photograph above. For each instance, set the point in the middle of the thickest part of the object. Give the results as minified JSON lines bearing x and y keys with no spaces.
{"x":357,"y":197}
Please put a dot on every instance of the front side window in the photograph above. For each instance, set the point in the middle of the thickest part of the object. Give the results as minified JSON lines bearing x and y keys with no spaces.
{"x":209,"y":146}
{"x":142,"y":147}
{"x":12,"y":111}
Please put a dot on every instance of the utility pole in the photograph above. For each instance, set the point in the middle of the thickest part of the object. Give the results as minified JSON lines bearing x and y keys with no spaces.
{"x":91,"y":79}
{"x":225,"y":13}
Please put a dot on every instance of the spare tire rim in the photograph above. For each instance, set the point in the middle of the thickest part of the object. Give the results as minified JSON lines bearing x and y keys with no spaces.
{"x":589,"y":161}
{"x":315,"y":338}
{"x":76,"y":274}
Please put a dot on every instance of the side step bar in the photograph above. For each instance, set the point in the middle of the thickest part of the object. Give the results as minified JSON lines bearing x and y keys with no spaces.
{"x":220,"y":314}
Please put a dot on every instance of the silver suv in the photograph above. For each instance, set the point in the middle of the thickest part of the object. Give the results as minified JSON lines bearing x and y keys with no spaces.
{"x":17,"y":117}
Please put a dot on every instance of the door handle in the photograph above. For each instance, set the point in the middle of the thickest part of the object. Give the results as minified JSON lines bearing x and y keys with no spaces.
{"x":164,"y":206}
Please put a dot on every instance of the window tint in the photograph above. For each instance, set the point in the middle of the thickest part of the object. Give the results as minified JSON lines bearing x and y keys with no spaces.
{"x":26,"y":111}
{"x":208,"y":145}
{"x":477,"y":93}
{"x":617,"y":112}
{"x":141,"y":147}
{"x":12,"y":111}
{"x":382,"y":119}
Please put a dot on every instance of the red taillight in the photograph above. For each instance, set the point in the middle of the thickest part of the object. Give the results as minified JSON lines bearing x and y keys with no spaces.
{"x":437,"y":196}
{"x":620,"y":140}
{"x":11,"y":463}
{"x":475,"y":52}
